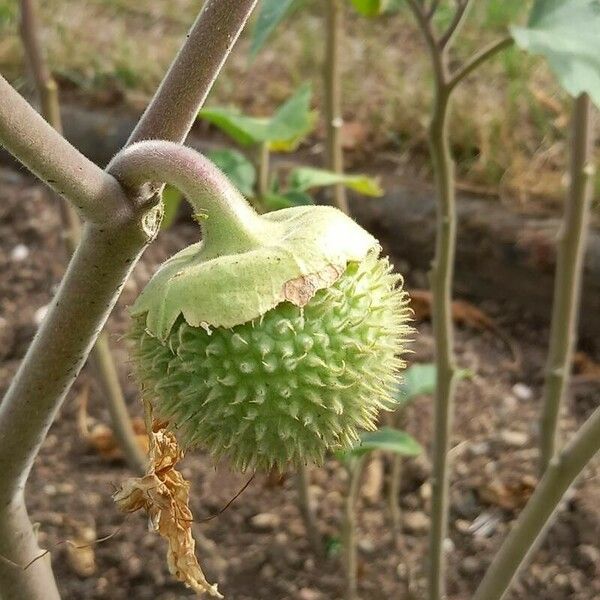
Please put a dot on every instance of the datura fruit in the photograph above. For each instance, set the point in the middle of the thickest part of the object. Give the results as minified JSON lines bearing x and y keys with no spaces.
{"x":276,"y":338}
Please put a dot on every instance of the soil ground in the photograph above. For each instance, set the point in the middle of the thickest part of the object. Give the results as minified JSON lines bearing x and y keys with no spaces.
{"x":69,"y":493}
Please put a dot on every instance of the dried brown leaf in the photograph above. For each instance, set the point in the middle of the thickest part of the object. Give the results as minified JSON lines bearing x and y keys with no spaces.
{"x":163,"y":494}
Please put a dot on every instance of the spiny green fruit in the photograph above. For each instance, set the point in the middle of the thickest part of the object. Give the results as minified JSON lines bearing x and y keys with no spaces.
{"x":275,"y":343}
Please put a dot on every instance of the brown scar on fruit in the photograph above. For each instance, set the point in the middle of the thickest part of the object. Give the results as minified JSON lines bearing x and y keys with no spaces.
{"x":300,"y":290}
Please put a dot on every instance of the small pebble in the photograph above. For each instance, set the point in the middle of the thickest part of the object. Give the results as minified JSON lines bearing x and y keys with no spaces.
{"x":19,"y":252}
{"x":416,"y":522}
{"x":265,"y":521}
{"x":522,"y":392}
{"x":39,"y":315}
{"x":514,"y":438}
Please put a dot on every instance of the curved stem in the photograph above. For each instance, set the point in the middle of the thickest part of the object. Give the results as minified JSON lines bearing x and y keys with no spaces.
{"x":173,"y":109}
{"x":536,"y":517}
{"x":35,"y":143}
{"x":333,"y":100}
{"x":227,"y":220}
{"x":569,"y":272}
{"x":480,"y":57}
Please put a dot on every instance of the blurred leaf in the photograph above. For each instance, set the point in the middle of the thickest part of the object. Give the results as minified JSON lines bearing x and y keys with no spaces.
{"x":370,"y":8}
{"x":284,"y":130}
{"x":241,"y":128}
{"x":333,"y":546}
{"x":292,"y":121}
{"x":304,"y":178}
{"x":418,"y":380}
{"x":238,"y":169}
{"x":271,"y":13}
{"x":566,"y":33}
{"x":388,"y":440}
{"x":286,"y":200}
{"x":171,"y":198}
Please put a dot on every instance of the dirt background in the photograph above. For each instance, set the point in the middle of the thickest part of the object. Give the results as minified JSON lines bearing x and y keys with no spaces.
{"x":267,"y":556}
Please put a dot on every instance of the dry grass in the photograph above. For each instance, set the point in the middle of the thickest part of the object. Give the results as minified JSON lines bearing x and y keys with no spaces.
{"x":509,"y":124}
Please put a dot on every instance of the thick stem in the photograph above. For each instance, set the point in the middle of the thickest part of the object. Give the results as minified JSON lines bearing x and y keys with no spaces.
{"x":19,"y":577}
{"x":350,"y":554}
{"x":227,"y":220}
{"x":308,"y":515}
{"x":262,"y":168}
{"x":86,"y":296}
{"x":175,"y":105}
{"x":101,"y":356}
{"x":333,"y":100}
{"x":34,"y":142}
{"x":537,"y":515}
{"x":119,"y":228}
{"x":569,"y":270}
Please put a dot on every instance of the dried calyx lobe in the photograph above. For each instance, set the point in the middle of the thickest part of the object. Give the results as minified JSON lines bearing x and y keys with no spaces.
{"x":275,"y":350}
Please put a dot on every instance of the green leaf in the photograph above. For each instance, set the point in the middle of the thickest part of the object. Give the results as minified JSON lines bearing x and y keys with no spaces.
{"x":286,"y":200}
{"x":370,"y":8}
{"x":418,"y":380}
{"x":270,"y":15}
{"x":305,"y":178}
{"x":171,"y":198}
{"x":283,"y":131}
{"x":388,"y":440}
{"x":566,"y":33}
{"x":292,"y":121}
{"x":237,"y":167}
{"x":241,"y":128}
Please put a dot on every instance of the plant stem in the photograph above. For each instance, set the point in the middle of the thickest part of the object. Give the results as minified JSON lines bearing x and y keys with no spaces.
{"x":35,"y":143}
{"x":119,"y":227}
{"x":308,"y":515}
{"x":569,"y":270}
{"x":394,"y":493}
{"x":101,"y":355}
{"x":479,"y":58}
{"x":172,"y":112}
{"x":229,"y":221}
{"x":262,"y":168}
{"x":333,"y":100}
{"x":537,"y":516}
{"x":350,"y":555}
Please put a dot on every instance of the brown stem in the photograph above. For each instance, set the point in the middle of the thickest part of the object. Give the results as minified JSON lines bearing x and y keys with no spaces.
{"x":333,"y":100}
{"x":262,"y":169}
{"x":185,"y":87}
{"x":569,"y":271}
{"x":119,"y":227}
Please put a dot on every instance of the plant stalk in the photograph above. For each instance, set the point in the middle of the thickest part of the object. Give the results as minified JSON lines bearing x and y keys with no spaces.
{"x":569,"y":271}
{"x":442,"y":271}
{"x":119,"y":227}
{"x":333,"y":100}
{"x":350,"y":551}
{"x":173,"y":109}
{"x":262,"y":168}
{"x":101,"y":354}
{"x":308,"y":515}
{"x":536,"y":517}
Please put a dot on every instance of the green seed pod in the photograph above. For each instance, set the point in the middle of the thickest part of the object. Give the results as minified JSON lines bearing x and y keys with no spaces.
{"x":276,"y":338}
